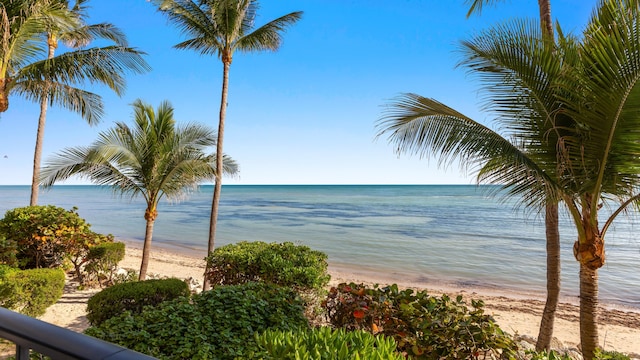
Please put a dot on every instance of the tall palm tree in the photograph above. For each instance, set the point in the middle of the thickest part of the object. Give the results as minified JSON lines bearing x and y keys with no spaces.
{"x":78,"y":38}
{"x":153,"y":158}
{"x":552,"y":233}
{"x":583,"y":149}
{"x":222,"y":27}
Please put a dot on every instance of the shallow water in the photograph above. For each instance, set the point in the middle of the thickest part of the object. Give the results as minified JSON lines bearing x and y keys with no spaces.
{"x":455,"y":234}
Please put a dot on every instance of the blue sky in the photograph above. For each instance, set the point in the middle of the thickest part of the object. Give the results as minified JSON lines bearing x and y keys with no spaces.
{"x":305,"y":114}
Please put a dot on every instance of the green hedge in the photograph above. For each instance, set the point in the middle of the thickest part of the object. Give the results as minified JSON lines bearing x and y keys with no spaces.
{"x":325,"y":343}
{"x":284,"y":264}
{"x":216,"y":324}
{"x":30,"y":292}
{"x":133,"y":296}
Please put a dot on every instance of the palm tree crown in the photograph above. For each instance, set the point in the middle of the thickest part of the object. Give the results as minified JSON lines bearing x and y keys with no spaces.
{"x":153,"y":158}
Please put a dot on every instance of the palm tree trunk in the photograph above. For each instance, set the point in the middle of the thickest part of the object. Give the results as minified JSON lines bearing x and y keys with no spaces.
{"x":588,"y":308}
{"x":4,"y":95}
{"x":146,"y":249}
{"x":42,"y":120}
{"x":545,"y":17}
{"x":553,"y":277}
{"x":37,"y":156}
{"x":217,"y":189}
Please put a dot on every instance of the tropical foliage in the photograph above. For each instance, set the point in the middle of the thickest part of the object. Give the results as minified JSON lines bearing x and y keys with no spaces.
{"x":221,"y":28}
{"x":153,"y":158}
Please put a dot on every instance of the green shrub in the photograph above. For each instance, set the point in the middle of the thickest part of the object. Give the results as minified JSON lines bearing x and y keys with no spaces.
{"x":216,"y":324}
{"x":45,"y":236}
{"x":610,"y":355}
{"x":424,"y":326}
{"x":8,"y":251}
{"x":32,"y":291}
{"x":325,"y":343}
{"x":284,"y":264}
{"x":102,"y":261}
{"x":133,"y":296}
{"x":547,"y":355}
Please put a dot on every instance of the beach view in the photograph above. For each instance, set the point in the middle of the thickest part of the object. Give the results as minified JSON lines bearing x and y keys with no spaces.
{"x":320,"y":180}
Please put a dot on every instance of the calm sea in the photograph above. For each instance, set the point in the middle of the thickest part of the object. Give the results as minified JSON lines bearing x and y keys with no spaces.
{"x":450,"y":234}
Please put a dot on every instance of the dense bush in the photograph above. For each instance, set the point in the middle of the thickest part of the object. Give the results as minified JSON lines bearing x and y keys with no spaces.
{"x":102,"y":261}
{"x":133,"y":297}
{"x":284,"y":264}
{"x":216,"y":324}
{"x":424,"y":326}
{"x":8,"y":251}
{"x":325,"y":343}
{"x":44,"y":236}
{"x":32,"y":291}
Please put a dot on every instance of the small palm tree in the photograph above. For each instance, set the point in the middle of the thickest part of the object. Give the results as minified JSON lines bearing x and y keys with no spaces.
{"x":154,"y":158}
{"x":104,"y":68}
{"x":222,"y":27}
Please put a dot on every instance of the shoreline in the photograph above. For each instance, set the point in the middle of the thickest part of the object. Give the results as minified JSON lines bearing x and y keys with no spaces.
{"x":351,"y":273}
{"x":515,"y":312}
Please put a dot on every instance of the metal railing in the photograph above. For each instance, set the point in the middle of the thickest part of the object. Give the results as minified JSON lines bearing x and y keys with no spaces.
{"x":56,"y":342}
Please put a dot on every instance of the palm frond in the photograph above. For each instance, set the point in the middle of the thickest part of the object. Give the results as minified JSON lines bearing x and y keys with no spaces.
{"x":89,"y":105}
{"x":269,"y":35}
{"x":104,"y":65}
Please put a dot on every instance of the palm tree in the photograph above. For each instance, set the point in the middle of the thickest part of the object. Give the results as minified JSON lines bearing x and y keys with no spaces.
{"x":582,"y":149}
{"x":222,"y":27}
{"x":154,"y":158}
{"x":552,"y":232}
{"x":22,"y":24}
{"x":601,"y":93}
{"x":107,"y":64}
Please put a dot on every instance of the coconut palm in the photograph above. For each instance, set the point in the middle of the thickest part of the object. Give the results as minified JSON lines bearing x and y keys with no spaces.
{"x":601,"y":93}
{"x":107,"y":64}
{"x":154,"y":158}
{"x":22,"y":24}
{"x":552,"y":232}
{"x":222,"y":27}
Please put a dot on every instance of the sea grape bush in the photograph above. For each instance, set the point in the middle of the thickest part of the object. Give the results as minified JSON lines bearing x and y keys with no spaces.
{"x":425,"y":327}
{"x":325,"y":343}
{"x":46,"y":236}
{"x":284,"y":264}
{"x":30,"y":291}
{"x":216,"y":324}
{"x":133,"y":297}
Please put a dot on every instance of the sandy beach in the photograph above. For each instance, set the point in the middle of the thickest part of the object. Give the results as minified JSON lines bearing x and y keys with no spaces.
{"x":516,"y":313}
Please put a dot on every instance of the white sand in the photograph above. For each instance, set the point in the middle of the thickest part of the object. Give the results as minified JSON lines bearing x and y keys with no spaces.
{"x":619,"y":328}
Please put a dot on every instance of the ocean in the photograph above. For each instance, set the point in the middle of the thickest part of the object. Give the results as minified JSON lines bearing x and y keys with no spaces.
{"x":457,"y":235}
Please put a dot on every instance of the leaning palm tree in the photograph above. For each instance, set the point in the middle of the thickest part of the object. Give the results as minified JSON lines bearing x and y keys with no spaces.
{"x":107,"y":64}
{"x":222,"y":27}
{"x":583,"y":149}
{"x":153,"y":158}
{"x":552,"y":232}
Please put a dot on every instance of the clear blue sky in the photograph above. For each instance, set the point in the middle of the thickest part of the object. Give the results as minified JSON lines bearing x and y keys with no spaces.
{"x":305,"y":114}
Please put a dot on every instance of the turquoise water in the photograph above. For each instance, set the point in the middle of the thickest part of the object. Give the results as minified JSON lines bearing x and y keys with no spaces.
{"x":451,"y":234}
